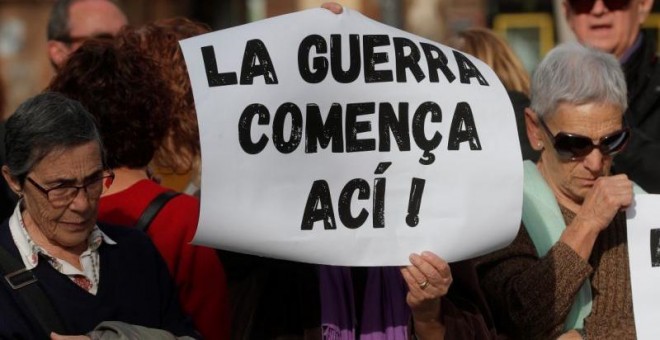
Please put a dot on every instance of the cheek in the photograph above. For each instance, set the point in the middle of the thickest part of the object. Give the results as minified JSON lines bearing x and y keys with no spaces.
{"x":564,"y":173}
{"x":579,"y":26}
{"x":45,"y":217}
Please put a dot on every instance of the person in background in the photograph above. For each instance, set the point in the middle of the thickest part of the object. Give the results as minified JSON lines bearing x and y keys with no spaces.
{"x":7,"y":198}
{"x":496,"y":53}
{"x":567,"y":270}
{"x":124,"y":91}
{"x":90,"y":273}
{"x":277,"y":299}
{"x":177,"y":161}
{"x":72,"y":22}
{"x":614,"y":27}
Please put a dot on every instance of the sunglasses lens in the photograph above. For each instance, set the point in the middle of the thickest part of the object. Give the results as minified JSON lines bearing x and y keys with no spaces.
{"x":572,"y":146}
{"x":585,"y":6}
{"x":615,"y":142}
{"x":615,"y":5}
{"x":582,"y":6}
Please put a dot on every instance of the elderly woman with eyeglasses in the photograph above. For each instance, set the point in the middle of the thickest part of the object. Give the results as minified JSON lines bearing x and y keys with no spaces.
{"x":88,"y":272}
{"x":567,"y":270}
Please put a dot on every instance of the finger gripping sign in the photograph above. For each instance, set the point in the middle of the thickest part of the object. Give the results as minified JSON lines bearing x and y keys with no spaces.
{"x":338,"y":140}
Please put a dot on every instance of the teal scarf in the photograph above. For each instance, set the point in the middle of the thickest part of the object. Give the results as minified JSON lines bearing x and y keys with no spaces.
{"x":545,"y":223}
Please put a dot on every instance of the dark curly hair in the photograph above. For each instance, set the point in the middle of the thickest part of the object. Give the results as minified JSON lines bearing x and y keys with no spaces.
{"x":123,"y":89}
{"x":180,"y":151}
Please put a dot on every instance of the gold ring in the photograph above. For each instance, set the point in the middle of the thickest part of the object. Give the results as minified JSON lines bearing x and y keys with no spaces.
{"x":424,"y":284}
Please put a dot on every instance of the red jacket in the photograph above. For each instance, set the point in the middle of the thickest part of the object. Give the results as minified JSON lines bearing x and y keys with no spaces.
{"x":197,"y":270}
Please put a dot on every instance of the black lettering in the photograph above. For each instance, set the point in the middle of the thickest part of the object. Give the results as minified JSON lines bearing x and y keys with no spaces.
{"x":410,"y":61}
{"x":418,"y":125}
{"x":344,"y":205}
{"x":256,"y":62}
{"x":283,"y":111}
{"x":317,"y":132}
{"x":245,"y":124}
{"x":320,"y":64}
{"x":415,"y":201}
{"x":463,"y":128}
{"x":354,"y":127}
{"x":319,"y":207}
{"x":467,"y":70}
{"x":388,"y":121}
{"x":371,"y":59}
{"x":353,"y":71}
{"x":378,"y":214}
{"x":213,"y":77}
{"x":435,"y":63}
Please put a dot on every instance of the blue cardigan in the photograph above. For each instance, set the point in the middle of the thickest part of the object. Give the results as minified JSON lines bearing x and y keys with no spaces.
{"x":135,"y":287}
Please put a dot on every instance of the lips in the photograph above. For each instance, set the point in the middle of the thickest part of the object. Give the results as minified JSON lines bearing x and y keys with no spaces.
{"x":600,"y":27}
{"x":76,"y":225}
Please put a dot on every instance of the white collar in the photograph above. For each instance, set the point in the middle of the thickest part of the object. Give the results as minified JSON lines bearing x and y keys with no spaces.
{"x":29,"y":251}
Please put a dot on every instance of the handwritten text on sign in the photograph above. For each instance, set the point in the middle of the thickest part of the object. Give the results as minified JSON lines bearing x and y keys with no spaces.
{"x":315,"y":137}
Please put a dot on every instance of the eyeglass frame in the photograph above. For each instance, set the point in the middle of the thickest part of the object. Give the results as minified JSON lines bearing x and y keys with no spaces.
{"x":571,"y":3}
{"x":573,"y":157}
{"x":108,"y":174}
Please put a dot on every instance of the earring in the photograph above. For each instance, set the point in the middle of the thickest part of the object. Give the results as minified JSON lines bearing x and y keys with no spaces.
{"x":539,"y":145}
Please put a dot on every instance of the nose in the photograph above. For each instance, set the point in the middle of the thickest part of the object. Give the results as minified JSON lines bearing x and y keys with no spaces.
{"x":599,"y":7}
{"x":80,"y":201}
{"x":595,"y":162}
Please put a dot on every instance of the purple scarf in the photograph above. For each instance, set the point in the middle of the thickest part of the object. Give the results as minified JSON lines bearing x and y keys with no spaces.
{"x":385,"y":313}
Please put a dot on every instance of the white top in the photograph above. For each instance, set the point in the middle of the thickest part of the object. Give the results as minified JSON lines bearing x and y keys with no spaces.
{"x":89,"y":259}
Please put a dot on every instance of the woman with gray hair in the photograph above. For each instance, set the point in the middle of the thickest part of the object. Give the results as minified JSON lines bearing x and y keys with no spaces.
{"x":567,"y":270}
{"x":63,"y":272}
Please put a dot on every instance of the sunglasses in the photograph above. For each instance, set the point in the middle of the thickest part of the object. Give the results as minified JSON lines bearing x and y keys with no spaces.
{"x":585,"y":6}
{"x":571,"y":146}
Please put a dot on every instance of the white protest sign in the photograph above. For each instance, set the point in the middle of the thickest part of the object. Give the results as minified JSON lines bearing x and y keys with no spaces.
{"x":644,"y":255}
{"x":335,"y":139}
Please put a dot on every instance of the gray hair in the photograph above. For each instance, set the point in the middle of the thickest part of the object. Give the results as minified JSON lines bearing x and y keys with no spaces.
{"x":575,"y":74}
{"x":42,"y":124}
{"x":58,"y":22}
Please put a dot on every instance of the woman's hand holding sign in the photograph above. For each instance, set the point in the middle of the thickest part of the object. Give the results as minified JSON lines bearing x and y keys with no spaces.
{"x":333,"y":7}
{"x":428,"y":279}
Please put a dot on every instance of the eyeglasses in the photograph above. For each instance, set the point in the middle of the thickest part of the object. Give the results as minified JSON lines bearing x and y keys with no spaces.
{"x":571,"y":146}
{"x":63,"y":195}
{"x":585,"y":6}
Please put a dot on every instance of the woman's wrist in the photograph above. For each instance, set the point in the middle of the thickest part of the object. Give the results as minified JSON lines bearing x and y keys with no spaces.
{"x":432,"y":329}
{"x":428,"y":324}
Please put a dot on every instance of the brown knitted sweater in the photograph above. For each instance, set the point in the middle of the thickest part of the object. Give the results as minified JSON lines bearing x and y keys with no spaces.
{"x":531,"y":297}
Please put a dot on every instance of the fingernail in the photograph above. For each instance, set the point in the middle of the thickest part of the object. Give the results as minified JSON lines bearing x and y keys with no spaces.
{"x":414,"y":258}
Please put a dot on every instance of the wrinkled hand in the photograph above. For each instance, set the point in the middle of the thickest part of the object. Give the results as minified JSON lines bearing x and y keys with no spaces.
{"x":333,"y":7}
{"x":570,"y":335}
{"x":428,"y":279}
{"x":609,"y":195}
{"x":55,"y":336}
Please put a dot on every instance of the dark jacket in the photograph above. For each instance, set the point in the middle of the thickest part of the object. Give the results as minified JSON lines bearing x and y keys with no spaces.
{"x":135,"y":287}
{"x":641,"y":158}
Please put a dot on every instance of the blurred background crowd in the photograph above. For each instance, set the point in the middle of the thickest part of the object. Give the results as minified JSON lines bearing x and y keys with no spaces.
{"x":531,"y":28}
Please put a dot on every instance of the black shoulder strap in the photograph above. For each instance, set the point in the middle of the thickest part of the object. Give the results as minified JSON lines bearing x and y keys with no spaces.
{"x":153,"y":208}
{"x":25,"y":284}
